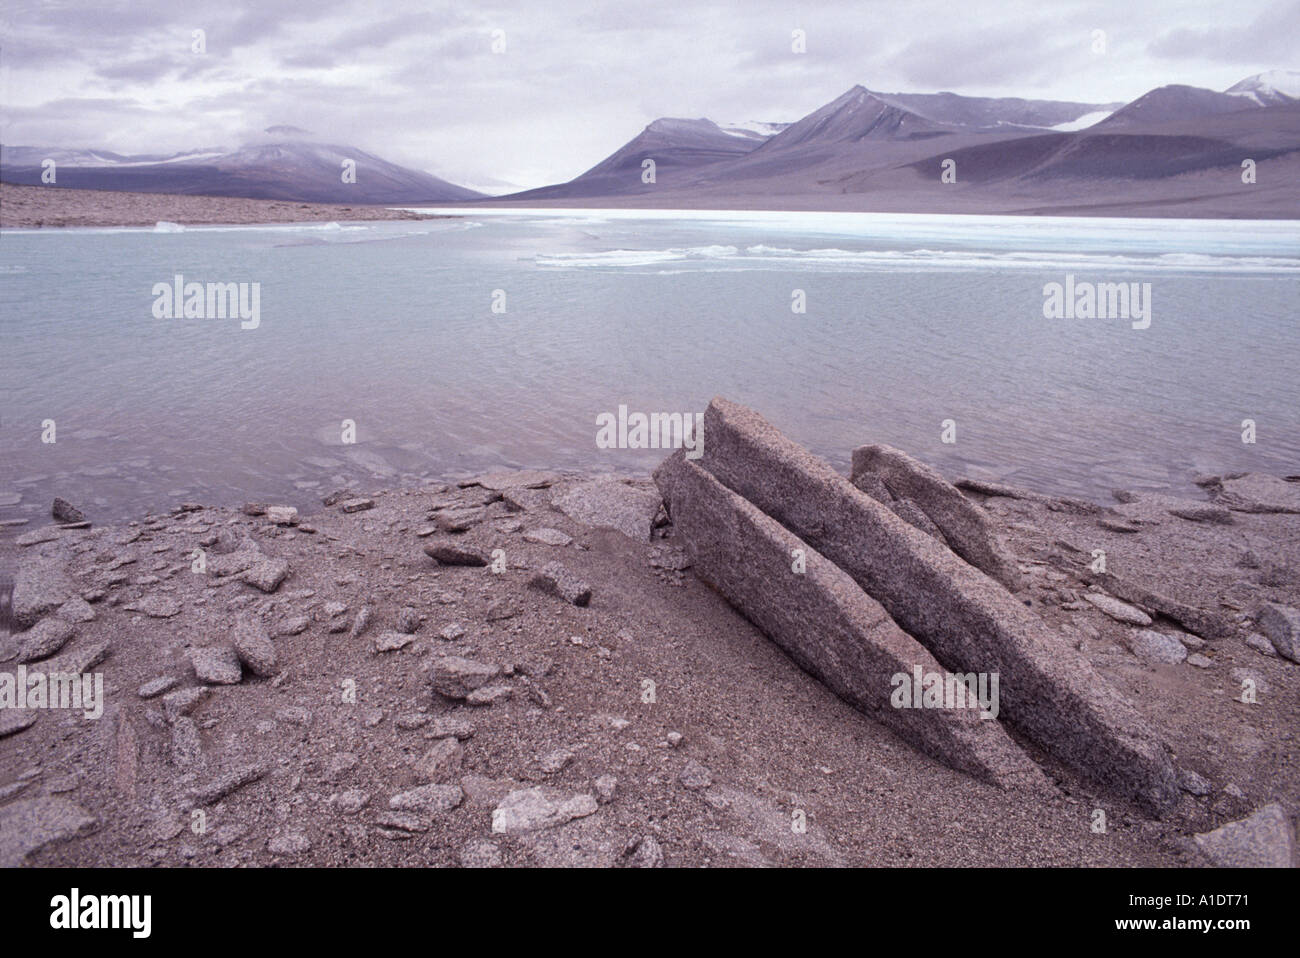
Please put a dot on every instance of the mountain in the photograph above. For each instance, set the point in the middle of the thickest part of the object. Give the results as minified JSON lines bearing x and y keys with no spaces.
{"x":1176,"y":102}
{"x":851,"y":117}
{"x":1273,"y":88}
{"x":286,"y":165}
{"x":677,"y":146}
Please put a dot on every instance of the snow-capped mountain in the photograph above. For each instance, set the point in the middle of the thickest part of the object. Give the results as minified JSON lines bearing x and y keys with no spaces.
{"x":1271,"y":88}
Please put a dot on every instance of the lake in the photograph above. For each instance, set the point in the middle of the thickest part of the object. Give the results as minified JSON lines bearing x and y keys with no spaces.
{"x":397,"y":328}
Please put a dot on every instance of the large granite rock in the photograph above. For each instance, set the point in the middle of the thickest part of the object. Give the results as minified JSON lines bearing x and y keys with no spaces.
{"x":969,"y":622}
{"x":965,"y":526}
{"x":826,"y":623}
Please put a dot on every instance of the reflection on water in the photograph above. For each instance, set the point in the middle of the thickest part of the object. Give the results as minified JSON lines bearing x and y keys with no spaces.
{"x":909,"y":322}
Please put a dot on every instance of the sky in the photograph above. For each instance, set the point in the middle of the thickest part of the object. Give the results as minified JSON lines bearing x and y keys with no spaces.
{"x":520,"y":94}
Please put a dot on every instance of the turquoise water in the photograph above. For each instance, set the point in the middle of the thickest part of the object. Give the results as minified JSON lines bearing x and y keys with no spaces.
{"x":910,"y":321}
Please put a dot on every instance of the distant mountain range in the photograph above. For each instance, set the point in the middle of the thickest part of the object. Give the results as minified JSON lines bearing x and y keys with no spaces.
{"x":288,"y":164}
{"x":1176,"y":150}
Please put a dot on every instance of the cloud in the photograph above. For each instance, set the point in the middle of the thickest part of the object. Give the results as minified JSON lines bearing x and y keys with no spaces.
{"x":1267,"y":40}
{"x":419,"y":83}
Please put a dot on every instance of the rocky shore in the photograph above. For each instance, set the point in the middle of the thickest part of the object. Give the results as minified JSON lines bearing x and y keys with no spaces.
{"x":533,"y":668}
{"x":28,"y":207}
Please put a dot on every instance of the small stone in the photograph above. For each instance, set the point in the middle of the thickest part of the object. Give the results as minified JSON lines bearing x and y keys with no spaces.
{"x":556,"y":580}
{"x":289,"y":845}
{"x":1281,"y":624}
{"x":606,"y":786}
{"x":254,"y":648}
{"x":155,"y":687}
{"x":502,"y":609}
{"x":392,"y":641}
{"x":490,"y":695}
{"x":352,"y":801}
{"x":64,"y":511}
{"x":333,"y":609}
{"x":442,"y":760}
{"x":254,"y":509}
{"x":267,"y":574}
{"x":1200,"y":661}
{"x":216,"y":665}
{"x":357,"y":505}
{"x":428,"y":798}
{"x":1157,"y":647}
{"x":695,"y":776}
{"x":444,"y":726}
{"x":76,"y":609}
{"x":1261,"y":645}
{"x":44,"y":639}
{"x":674,"y":739}
{"x":446,"y":554}
{"x":282,"y":515}
{"x":293,"y":625}
{"x":1192,"y":783}
{"x":456,"y":631}
{"x":455,"y":521}
{"x":555,"y":761}
{"x":408,"y":620}
{"x":1117,"y":610}
{"x":530,"y":809}
{"x":183,"y":701}
{"x":360,"y":622}
{"x":457,"y":677}
{"x":647,"y":854}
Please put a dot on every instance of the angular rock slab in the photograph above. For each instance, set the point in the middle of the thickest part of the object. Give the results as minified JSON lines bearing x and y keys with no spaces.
{"x":968,"y":622}
{"x":965,"y":526}
{"x":607,"y":503}
{"x":29,"y":824}
{"x":1264,"y":840}
{"x":41,"y":586}
{"x":827,"y":624}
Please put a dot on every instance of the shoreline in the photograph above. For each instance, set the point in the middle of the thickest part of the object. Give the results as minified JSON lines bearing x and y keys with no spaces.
{"x":353,"y":598}
{"x":42,"y":207}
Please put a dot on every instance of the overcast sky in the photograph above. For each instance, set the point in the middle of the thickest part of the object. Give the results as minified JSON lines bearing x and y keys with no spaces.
{"x":420,"y":83}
